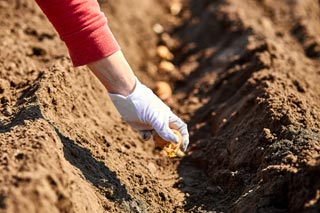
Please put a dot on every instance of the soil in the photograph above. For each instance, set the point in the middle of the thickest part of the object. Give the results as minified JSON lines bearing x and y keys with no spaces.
{"x":246,"y":81}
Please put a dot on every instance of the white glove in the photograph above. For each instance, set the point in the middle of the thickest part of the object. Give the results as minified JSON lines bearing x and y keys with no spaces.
{"x":144,"y":111}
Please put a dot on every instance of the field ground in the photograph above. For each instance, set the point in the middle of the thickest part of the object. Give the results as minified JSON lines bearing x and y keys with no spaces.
{"x":246,"y":80}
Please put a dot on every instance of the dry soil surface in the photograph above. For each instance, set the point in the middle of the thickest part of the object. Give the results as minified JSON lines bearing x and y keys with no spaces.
{"x":246,"y":79}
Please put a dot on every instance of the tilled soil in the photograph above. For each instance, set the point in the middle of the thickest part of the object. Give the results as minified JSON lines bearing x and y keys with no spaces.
{"x":246,"y":81}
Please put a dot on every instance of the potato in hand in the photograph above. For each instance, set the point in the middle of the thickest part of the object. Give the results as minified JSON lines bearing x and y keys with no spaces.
{"x":170,"y":149}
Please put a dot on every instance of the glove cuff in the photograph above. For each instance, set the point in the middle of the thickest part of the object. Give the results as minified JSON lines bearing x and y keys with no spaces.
{"x":136,"y":91}
{"x":128,"y":107}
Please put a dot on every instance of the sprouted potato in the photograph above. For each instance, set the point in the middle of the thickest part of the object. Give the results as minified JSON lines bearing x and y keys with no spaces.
{"x":170,"y":149}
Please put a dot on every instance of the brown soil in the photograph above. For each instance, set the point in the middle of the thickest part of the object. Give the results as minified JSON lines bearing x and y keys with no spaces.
{"x":247,"y":82}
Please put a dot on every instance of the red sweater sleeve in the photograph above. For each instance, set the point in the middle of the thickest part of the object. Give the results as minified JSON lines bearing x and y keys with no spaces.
{"x":83,"y":27}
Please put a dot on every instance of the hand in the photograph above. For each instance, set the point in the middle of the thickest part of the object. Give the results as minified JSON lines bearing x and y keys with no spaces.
{"x":144,"y":111}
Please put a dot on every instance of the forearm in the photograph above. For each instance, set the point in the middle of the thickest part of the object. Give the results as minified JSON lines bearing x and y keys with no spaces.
{"x":114,"y":73}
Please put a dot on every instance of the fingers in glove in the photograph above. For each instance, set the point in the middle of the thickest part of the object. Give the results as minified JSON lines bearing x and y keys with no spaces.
{"x":181,"y":126}
{"x":145,"y":134}
{"x":163,"y":130}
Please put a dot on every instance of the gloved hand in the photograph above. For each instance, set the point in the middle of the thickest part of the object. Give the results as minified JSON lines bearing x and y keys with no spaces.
{"x":144,"y":111}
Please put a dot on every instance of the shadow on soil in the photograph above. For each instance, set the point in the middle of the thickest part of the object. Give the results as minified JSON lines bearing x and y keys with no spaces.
{"x":203,"y":195}
{"x":93,"y":170}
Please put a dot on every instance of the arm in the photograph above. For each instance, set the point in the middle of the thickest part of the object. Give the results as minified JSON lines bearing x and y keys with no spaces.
{"x":83,"y":27}
{"x":115,"y":73}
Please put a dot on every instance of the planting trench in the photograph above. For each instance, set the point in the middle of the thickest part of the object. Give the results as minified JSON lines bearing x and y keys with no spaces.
{"x":246,"y":80}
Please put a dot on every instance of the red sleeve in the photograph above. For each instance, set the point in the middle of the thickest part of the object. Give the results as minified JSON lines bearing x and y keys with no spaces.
{"x":83,"y":27}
